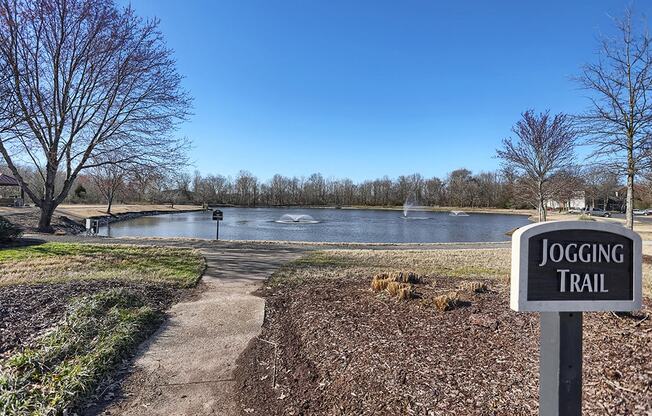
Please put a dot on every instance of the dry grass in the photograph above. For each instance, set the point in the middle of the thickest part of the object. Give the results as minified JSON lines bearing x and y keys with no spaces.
{"x":379,"y":284}
{"x":86,"y":211}
{"x":474,"y":287}
{"x":405,"y":292}
{"x":463,"y":263}
{"x":445,"y":302}
{"x":396,"y":284}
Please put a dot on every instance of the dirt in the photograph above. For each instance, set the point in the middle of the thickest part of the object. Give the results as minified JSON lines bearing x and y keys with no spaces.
{"x":334,"y":347}
{"x":28,"y":218}
{"x":26,"y":311}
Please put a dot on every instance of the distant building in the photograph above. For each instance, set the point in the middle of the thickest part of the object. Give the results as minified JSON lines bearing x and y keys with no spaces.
{"x":11,"y":193}
{"x":577,"y":201}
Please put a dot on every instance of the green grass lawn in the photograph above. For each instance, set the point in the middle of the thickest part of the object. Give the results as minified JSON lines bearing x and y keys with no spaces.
{"x":63,"y":366}
{"x":59,"y":262}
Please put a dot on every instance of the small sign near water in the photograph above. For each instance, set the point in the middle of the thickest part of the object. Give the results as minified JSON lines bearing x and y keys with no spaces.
{"x":561,"y":269}
{"x":576,"y":266}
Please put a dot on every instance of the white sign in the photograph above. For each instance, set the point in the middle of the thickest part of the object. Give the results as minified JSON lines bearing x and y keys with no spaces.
{"x":575,"y":266}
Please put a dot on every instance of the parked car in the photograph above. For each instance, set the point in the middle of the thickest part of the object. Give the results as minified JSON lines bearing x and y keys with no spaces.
{"x":597,"y":212}
{"x":576,"y":211}
{"x":643,"y":211}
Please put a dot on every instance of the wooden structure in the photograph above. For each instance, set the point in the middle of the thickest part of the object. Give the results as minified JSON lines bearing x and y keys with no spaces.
{"x":11,"y":193}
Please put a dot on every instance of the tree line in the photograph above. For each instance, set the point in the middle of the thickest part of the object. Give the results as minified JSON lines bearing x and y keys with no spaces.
{"x":459,"y":188}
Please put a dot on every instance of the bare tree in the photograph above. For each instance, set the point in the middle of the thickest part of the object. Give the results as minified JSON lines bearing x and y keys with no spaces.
{"x":109,"y":180}
{"x":86,"y":79}
{"x":544,"y":147}
{"x":619,"y":121}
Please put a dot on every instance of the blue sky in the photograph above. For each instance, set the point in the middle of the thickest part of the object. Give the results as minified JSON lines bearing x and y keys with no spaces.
{"x":366,"y":88}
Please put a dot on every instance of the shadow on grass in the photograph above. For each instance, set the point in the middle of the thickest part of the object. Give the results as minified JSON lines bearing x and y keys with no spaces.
{"x":21,"y":242}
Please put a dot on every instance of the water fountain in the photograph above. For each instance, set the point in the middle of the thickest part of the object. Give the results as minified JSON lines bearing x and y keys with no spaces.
{"x":296,"y":218}
{"x":410,"y":204}
{"x":458,"y":214}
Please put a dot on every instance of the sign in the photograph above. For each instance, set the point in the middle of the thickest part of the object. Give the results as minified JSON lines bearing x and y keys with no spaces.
{"x":218,"y":215}
{"x":565,"y":266}
{"x":561,"y":269}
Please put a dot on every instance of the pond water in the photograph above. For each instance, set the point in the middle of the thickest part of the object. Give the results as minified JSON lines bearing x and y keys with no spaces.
{"x":328,"y":225}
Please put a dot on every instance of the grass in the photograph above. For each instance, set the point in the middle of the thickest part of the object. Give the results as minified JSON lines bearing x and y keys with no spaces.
{"x":492,"y":263}
{"x":445,"y":302}
{"x":60,"y":262}
{"x":462,"y":263}
{"x":474,"y":287}
{"x":66,"y":364}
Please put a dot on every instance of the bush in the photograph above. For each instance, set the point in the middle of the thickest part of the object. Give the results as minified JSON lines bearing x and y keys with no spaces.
{"x":9,"y":231}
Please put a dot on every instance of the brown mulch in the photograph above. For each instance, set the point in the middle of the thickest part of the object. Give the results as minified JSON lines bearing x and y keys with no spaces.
{"x":333,"y":347}
{"x":26,"y":311}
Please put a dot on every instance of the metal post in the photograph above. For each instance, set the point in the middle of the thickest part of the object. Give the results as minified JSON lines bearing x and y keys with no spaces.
{"x":217,"y":233}
{"x":560,"y":364}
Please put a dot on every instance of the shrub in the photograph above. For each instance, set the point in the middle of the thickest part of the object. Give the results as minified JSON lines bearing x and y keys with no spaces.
{"x":585,"y":217}
{"x":9,"y":231}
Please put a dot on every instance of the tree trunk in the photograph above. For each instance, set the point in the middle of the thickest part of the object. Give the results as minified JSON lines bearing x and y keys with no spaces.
{"x":45,"y":220}
{"x":629,"y":212}
{"x":110,"y":203}
{"x":541,"y":208}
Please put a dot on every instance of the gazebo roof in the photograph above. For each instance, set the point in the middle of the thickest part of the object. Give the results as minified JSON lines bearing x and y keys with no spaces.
{"x":6,"y":180}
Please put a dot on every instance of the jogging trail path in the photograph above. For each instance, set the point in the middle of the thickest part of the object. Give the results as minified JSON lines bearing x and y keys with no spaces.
{"x":186,"y":368}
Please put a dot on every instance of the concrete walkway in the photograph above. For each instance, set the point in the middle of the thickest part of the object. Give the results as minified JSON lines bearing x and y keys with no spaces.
{"x":187,"y":366}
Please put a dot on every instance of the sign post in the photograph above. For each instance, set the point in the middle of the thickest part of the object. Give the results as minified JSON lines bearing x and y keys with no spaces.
{"x":218,"y":216}
{"x":562,"y":269}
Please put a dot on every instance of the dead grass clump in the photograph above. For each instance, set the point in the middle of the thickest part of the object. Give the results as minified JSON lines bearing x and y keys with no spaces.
{"x":406,"y":277}
{"x":397,"y":284}
{"x":445,"y":302}
{"x":400,"y":277}
{"x":474,"y":287}
{"x":401,"y":291}
{"x":378,"y":283}
{"x":406,"y":292}
{"x":393,"y":288}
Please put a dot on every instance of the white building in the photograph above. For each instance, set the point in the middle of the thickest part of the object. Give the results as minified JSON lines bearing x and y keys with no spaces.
{"x":578,"y":201}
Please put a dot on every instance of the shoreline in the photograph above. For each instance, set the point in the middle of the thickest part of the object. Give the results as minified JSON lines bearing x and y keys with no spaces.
{"x":71,"y":219}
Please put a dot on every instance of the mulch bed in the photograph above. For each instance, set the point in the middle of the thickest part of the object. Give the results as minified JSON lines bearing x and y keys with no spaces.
{"x":333,"y":347}
{"x":26,"y":311}
{"x":28,"y":221}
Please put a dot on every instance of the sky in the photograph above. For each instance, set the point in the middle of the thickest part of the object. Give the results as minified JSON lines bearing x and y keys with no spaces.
{"x":367,"y":88}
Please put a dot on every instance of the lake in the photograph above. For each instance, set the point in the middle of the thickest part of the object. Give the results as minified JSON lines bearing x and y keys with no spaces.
{"x":334,"y":225}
